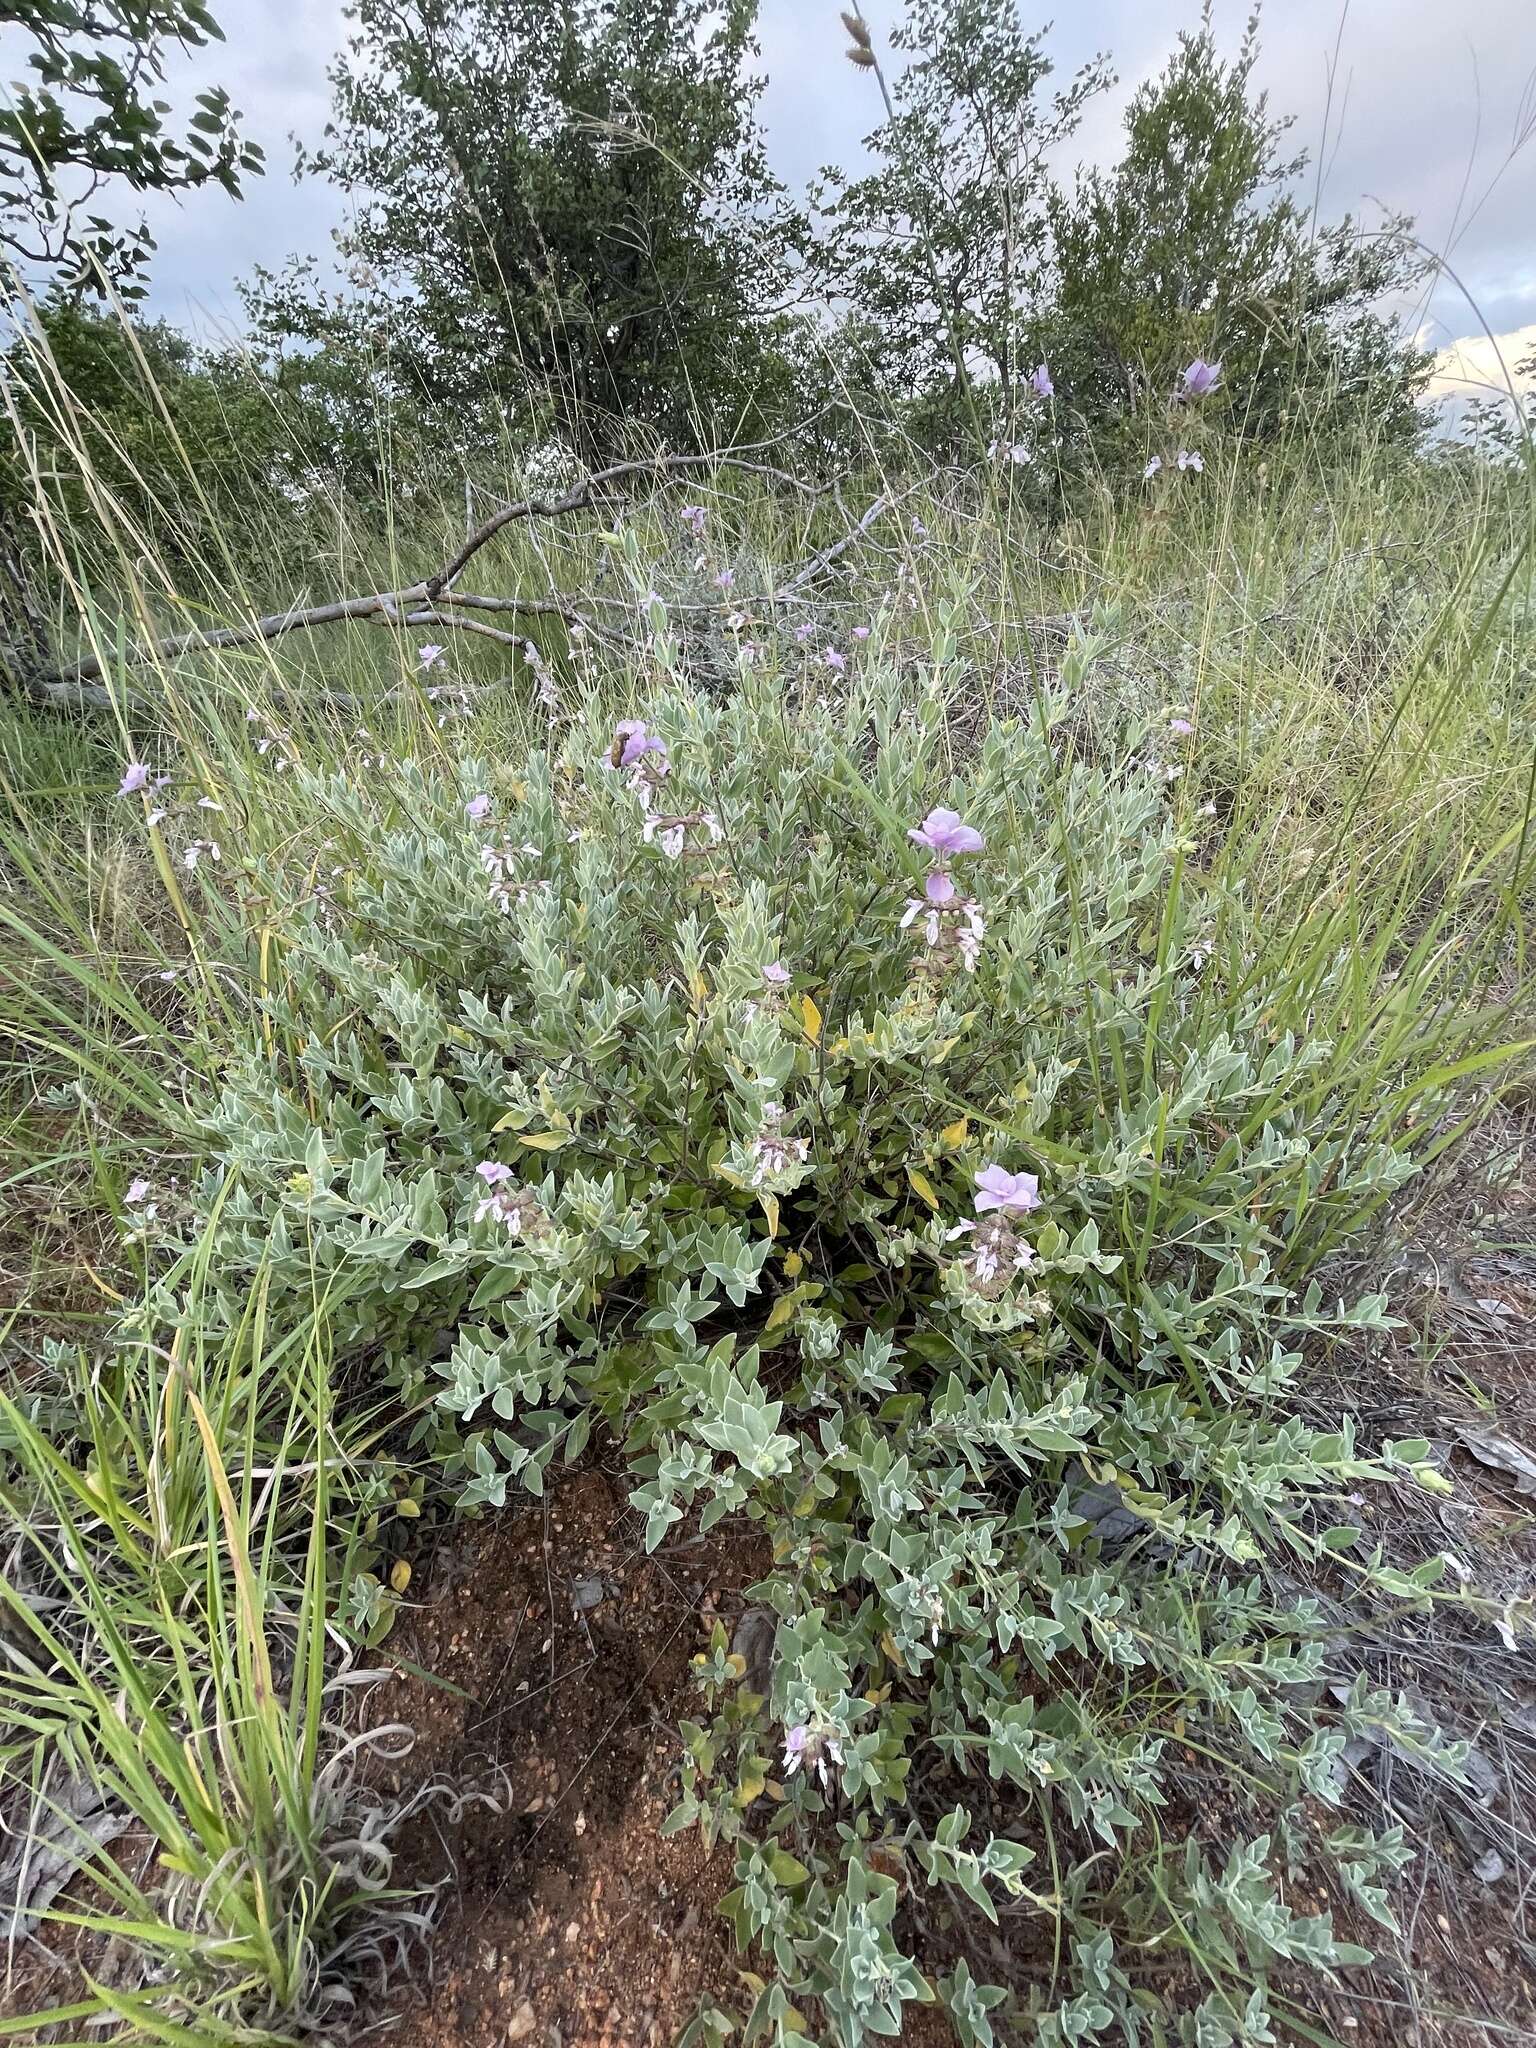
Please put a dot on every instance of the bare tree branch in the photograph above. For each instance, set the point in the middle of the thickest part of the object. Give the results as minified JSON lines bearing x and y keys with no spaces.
{"x":433,"y":602}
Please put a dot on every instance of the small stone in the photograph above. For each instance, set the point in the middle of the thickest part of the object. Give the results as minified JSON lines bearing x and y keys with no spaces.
{"x":522,"y":2022}
{"x":573,"y":1930}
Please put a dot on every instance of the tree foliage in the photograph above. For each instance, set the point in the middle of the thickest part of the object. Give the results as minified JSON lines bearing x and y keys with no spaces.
{"x":940,"y":249}
{"x":86,"y":121}
{"x":1194,"y":243}
{"x":570,"y":211}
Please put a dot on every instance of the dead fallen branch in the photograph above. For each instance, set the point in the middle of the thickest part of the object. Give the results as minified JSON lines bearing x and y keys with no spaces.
{"x":422,"y":603}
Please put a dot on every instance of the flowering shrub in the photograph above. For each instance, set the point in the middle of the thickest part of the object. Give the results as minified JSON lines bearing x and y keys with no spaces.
{"x":927,"y":1166}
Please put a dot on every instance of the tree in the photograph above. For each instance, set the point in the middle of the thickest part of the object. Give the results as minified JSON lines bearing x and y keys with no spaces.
{"x":87,"y":121}
{"x":1193,"y":244}
{"x":940,"y":251}
{"x":570,"y":208}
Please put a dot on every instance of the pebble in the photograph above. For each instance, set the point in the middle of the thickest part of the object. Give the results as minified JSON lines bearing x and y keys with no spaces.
{"x":522,"y":2022}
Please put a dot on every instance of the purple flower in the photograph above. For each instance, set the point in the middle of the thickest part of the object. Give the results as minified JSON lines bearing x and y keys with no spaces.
{"x":135,"y":778}
{"x":493,"y":1173}
{"x":725,"y":579}
{"x":478,"y":808}
{"x":632,"y":741}
{"x":835,"y":660}
{"x":861,"y":632}
{"x":1200,"y":378}
{"x":939,"y":888}
{"x":944,"y":833}
{"x":1014,"y":1193}
{"x":1191,"y":458}
{"x":1181,"y":726}
{"x":776,"y":974}
{"x":693,"y":516}
{"x":1040,"y":382}
{"x":136,"y":1191}
{"x":1152,"y":468}
{"x":430,"y":654}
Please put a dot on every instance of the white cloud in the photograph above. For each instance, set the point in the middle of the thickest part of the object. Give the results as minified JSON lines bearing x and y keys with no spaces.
{"x":1486,"y":365}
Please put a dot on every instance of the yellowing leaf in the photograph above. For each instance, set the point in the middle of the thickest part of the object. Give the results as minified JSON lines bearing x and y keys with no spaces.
{"x":399,"y":1575}
{"x":954,"y":1135}
{"x":812,"y":1017}
{"x":771,"y":1211}
{"x":751,"y":1787}
{"x":510,"y":1121}
{"x":545,"y":1141}
{"x":781,"y":1311}
{"x":923,"y":1186}
{"x":409,"y":1510}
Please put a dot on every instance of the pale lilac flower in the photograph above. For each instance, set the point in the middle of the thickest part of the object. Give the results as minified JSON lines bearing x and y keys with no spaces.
{"x":478,"y":809}
{"x":944,"y":832}
{"x":735,"y":621}
{"x":969,"y":933}
{"x":1200,"y":378}
{"x":951,"y":926}
{"x":136,"y":1191}
{"x":493,"y":1172}
{"x":1019,"y":454}
{"x":1040,"y":382}
{"x":1014,"y":1193}
{"x":152,"y":818}
{"x":1181,"y":726}
{"x":835,"y":660}
{"x":920,"y":529}
{"x":773,"y":1152}
{"x":693,"y":516}
{"x":1152,"y":468}
{"x":197,"y":849}
{"x":812,"y":1747}
{"x":208,"y":803}
{"x":1191,"y":458}
{"x":776,"y":974}
{"x":514,"y":1208}
{"x":135,"y":778}
{"x":725,"y":579}
{"x":430,"y":654}
{"x":805,"y":631}
{"x":632,"y":742}
{"x":651,"y":597}
{"x":861,"y":632}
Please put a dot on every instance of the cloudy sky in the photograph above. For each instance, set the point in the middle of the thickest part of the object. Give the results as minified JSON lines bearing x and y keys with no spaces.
{"x":1403,"y":104}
